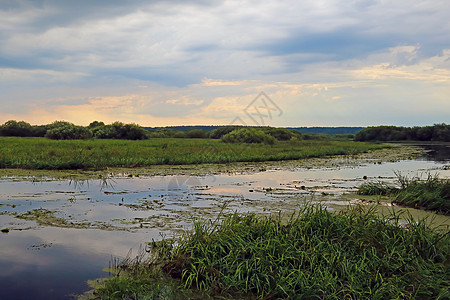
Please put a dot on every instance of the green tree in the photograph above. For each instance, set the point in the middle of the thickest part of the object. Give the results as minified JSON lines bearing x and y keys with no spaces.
{"x":221,"y":131}
{"x":196,"y":133}
{"x":248,"y":135}
{"x":95,"y":124}
{"x":14,"y":128}
{"x":281,"y":134}
{"x":68,"y":132}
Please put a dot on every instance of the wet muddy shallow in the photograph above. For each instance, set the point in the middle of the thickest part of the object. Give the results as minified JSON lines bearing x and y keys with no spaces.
{"x":59,"y":233}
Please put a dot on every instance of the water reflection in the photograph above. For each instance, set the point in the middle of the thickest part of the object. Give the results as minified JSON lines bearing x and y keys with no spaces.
{"x":437,"y":152}
{"x":116,"y":214}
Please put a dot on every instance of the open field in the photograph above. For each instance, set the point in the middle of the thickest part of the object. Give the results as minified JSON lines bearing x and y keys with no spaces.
{"x":41,"y":153}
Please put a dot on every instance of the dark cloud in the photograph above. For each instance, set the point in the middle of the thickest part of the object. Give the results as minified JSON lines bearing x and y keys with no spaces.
{"x":61,"y":46}
{"x":56,"y":13}
{"x":335,"y":45}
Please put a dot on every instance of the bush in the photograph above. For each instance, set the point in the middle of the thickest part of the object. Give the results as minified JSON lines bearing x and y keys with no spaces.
{"x":96,"y":124}
{"x":69,"y":132}
{"x":39,"y":130}
{"x":129,"y":131}
{"x":281,"y":134}
{"x":248,"y":135}
{"x":316,"y":136}
{"x":104,"y":132}
{"x":14,"y":128}
{"x":221,"y":131}
{"x":345,"y":136}
{"x":166,"y":133}
{"x":58,"y":124}
{"x":196,"y":134}
{"x":294,"y":141}
{"x":118,"y":130}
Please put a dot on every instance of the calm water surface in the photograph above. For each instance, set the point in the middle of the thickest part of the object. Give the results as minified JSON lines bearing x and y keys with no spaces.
{"x":115,"y":215}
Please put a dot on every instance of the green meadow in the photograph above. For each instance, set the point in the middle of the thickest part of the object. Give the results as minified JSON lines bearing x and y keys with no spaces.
{"x":97,"y":154}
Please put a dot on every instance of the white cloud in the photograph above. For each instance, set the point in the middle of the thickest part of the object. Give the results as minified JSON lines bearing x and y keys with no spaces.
{"x":318,"y":58}
{"x":38,"y":75}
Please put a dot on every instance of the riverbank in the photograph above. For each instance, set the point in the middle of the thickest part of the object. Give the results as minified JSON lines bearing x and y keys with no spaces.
{"x":431,"y":193}
{"x":379,"y":154}
{"x":316,"y":253}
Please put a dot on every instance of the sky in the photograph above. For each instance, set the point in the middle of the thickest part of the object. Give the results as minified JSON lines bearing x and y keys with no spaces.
{"x":213,"y":62}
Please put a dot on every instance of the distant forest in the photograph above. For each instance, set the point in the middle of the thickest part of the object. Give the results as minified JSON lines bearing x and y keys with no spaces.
{"x":319,"y":130}
{"x":437,"y":132}
{"x":64,"y":130}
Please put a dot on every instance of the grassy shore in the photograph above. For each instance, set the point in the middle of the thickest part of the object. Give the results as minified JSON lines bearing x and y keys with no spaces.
{"x":430,"y":194}
{"x":41,"y":153}
{"x":316,"y":254}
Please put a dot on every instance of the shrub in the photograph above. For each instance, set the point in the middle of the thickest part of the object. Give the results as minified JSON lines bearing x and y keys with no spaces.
{"x":96,"y":124}
{"x":118,"y":130}
{"x":196,"y":133}
{"x":14,"y":128}
{"x":248,"y":135}
{"x":166,"y":133}
{"x":104,"y":132}
{"x":39,"y":130}
{"x":221,"y":131}
{"x":281,"y":134}
{"x":57,"y":124}
{"x":294,"y":140}
{"x":129,"y":131}
{"x":345,"y":136}
{"x":68,"y":132}
{"x":316,"y":136}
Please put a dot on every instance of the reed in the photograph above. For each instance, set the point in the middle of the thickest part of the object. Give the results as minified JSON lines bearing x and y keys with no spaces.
{"x":432,"y":193}
{"x":355,"y":254}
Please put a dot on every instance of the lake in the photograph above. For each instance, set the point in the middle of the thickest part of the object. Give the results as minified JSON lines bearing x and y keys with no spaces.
{"x":57,"y":234}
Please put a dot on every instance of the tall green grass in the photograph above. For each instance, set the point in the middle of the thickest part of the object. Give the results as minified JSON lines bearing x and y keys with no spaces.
{"x":41,"y":153}
{"x":431,"y":194}
{"x":316,"y":254}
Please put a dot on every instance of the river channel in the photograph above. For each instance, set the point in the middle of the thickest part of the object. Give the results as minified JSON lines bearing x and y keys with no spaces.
{"x":59,"y":233}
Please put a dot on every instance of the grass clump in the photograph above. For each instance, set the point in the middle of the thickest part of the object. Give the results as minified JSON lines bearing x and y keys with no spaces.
{"x":430,"y":194}
{"x":315,"y":254}
{"x":376,"y":188}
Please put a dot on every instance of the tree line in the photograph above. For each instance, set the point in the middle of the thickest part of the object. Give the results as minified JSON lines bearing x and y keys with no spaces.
{"x":437,"y":132}
{"x":62,"y":130}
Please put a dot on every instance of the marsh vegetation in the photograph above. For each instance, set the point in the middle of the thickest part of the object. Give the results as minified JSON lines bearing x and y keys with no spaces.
{"x":98,"y":154}
{"x":431,"y":194}
{"x":311,"y":253}
{"x":266,"y":245}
